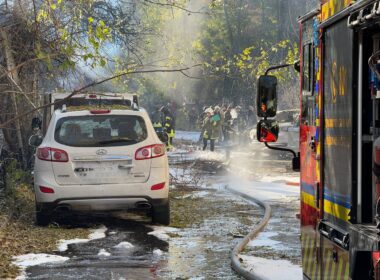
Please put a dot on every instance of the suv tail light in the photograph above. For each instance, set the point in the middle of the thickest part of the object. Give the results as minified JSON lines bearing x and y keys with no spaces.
{"x":46,"y":189}
{"x":158,"y":186}
{"x":148,"y":152}
{"x":52,"y":154}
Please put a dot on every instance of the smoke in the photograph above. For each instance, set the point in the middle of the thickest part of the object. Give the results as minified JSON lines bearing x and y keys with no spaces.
{"x":174,"y":50}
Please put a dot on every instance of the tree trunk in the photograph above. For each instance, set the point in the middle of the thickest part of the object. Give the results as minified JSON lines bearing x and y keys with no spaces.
{"x":13,"y":74}
{"x":229,"y":28}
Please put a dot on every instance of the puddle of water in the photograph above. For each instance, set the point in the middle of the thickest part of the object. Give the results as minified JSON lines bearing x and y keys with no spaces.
{"x":128,"y":253}
{"x":203,"y":250}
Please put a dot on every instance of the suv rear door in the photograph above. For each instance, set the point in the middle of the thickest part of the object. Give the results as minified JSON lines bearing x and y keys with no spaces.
{"x":101,"y":150}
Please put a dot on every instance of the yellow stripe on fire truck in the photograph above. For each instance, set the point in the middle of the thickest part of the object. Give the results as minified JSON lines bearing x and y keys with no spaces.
{"x":309,"y":258}
{"x":308,"y":199}
{"x":338,"y":123}
{"x":330,"y":207}
{"x":335,"y":264}
{"x":336,"y":210}
{"x":333,"y":7}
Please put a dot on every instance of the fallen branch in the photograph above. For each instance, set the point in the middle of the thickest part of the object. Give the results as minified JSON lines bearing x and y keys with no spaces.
{"x":77,"y":91}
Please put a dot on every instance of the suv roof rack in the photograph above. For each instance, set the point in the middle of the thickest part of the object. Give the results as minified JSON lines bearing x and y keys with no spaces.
{"x":87,"y":99}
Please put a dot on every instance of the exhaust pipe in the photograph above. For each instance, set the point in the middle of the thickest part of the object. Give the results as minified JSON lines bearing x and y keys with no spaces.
{"x":143,"y":205}
{"x":62,"y":208}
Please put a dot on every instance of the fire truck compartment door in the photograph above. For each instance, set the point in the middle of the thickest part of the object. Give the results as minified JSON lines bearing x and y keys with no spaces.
{"x":334,"y":234}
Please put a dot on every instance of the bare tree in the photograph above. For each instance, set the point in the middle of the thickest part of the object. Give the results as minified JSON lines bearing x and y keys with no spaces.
{"x":43,"y":43}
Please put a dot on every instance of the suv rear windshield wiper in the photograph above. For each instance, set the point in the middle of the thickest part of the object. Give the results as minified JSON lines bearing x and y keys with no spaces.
{"x":118,"y":140}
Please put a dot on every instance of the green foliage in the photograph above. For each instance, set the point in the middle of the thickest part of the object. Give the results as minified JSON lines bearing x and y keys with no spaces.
{"x":240,"y":40}
{"x":77,"y":36}
{"x":15,"y":177}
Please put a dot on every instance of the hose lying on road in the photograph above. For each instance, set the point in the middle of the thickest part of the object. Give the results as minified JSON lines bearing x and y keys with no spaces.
{"x":236,"y":262}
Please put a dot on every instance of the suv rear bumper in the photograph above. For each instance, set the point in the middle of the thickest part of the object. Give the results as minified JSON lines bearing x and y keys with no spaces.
{"x":97,"y":192}
{"x":104,"y":204}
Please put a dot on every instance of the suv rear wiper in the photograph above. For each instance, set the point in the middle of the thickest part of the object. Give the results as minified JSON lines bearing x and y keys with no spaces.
{"x":118,"y":140}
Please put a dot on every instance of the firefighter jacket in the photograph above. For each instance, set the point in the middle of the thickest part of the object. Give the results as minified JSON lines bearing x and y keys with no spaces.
{"x":157,"y":119}
{"x":212,"y":126}
{"x":169,"y":125}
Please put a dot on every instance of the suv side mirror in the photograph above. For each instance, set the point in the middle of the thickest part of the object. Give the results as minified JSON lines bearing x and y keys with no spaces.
{"x":267,"y":96}
{"x":163,"y":136}
{"x":35,"y":140}
{"x":267,"y":131}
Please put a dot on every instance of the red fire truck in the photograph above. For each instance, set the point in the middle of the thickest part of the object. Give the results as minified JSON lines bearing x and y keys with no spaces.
{"x":339,"y":156}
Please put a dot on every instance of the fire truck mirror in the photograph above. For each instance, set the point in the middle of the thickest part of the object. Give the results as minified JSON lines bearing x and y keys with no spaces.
{"x":267,"y":131}
{"x":296,"y":164}
{"x":267,"y":96}
{"x":297,"y":66}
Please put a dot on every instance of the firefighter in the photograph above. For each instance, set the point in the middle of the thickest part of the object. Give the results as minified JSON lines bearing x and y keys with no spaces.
{"x":169,"y":126}
{"x":211,"y":128}
{"x":207,"y":129}
{"x":157,"y":119}
{"x":217,"y":122}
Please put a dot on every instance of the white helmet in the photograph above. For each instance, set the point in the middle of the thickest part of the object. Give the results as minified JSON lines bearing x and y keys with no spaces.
{"x":209,"y":110}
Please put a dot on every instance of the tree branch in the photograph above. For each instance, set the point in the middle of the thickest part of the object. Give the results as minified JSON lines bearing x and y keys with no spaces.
{"x":77,"y":91}
{"x":175,"y":6}
{"x":20,"y":90}
{"x":6,"y":72}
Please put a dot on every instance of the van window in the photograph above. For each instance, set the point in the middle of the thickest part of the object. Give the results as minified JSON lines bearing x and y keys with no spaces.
{"x":100,"y":131}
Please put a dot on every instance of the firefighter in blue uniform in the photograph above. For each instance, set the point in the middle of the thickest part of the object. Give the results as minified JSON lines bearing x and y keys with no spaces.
{"x":169,"y":126}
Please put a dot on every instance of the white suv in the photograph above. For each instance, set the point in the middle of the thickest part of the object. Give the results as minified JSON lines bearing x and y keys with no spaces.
{"x":101,"y":160}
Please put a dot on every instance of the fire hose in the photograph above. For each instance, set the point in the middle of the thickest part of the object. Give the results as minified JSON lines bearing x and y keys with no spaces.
{"x":236,"y":261}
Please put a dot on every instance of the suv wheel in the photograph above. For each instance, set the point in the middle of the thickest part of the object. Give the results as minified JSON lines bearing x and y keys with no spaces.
{"x":161,"y":214}
{"x":43,"y":216}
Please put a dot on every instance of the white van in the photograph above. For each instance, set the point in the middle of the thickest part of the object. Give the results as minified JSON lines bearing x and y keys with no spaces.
{"x":101,"y":160}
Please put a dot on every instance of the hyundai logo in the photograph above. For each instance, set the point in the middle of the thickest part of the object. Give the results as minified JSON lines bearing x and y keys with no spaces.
{"x":101,"y":152}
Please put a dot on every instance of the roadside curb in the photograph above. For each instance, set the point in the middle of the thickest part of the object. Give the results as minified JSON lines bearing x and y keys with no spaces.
{"x":236,"y":262}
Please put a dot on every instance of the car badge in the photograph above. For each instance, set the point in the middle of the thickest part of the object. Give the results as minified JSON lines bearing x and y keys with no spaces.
{"x":101,"y":152}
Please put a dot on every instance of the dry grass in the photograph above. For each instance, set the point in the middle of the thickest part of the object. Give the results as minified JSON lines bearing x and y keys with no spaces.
{"x":182,"y":213}
{"x":18,"y":234}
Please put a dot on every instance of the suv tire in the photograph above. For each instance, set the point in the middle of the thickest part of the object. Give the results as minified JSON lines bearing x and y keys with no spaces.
{"x":161,"y":214}
{"x":43,"y":216}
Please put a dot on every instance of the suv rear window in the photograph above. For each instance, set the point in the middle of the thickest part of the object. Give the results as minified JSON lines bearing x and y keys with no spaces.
{"x":100,"y":131}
